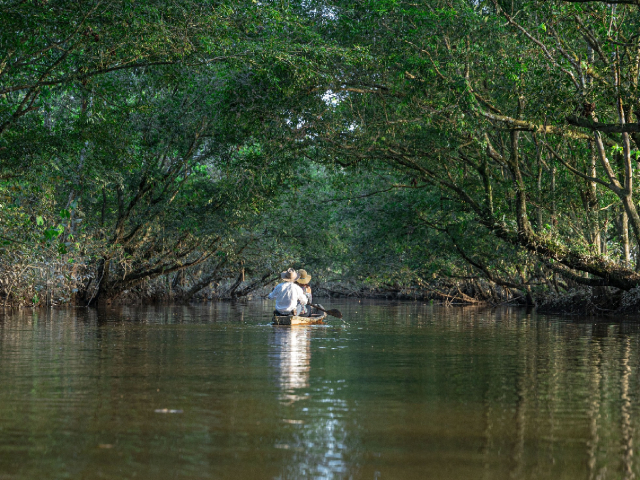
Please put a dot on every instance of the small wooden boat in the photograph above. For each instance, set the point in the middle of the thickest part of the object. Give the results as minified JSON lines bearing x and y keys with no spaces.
{"x":314,"y":319}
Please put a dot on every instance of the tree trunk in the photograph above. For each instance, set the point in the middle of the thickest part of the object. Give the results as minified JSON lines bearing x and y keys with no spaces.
{"x":624,"y":239}
{"x":205,"y":281}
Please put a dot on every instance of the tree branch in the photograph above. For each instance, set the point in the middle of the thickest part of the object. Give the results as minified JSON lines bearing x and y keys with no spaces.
{"x":603,"y":127}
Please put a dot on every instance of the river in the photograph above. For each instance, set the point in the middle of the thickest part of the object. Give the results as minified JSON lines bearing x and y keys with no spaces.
{"x":399,"y":390}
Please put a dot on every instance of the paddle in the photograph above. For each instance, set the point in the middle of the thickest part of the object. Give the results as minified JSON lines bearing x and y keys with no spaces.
{"x":333,"y":313}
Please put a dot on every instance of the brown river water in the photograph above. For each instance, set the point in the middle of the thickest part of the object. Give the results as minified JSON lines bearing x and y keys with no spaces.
{"x":397,"y":391}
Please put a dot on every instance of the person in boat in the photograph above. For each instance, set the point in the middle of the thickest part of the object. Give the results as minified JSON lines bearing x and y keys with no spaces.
{"x":303,"y":282}
{"x":289,"y":297}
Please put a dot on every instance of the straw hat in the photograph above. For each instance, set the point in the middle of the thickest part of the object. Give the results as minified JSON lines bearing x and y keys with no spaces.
{"x":304,"y":277}
{"x":289,"y":276}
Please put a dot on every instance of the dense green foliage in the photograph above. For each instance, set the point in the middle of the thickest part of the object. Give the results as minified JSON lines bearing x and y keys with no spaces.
{"x":515,"y":125}
{"x":156,"y":147}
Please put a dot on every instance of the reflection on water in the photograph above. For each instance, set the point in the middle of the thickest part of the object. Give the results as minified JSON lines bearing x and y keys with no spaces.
{"x":403,"y":390}
{"x":316,"y":436}
{"x":293,"y":345}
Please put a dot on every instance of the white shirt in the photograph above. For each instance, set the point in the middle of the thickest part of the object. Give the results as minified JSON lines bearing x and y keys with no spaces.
{"x":287,"y":295}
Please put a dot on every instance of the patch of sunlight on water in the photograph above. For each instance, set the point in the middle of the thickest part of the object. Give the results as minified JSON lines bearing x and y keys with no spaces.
{"x":401,"y":390}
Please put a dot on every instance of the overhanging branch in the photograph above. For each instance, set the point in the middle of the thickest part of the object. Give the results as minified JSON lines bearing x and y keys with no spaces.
{"x":603,"y":127}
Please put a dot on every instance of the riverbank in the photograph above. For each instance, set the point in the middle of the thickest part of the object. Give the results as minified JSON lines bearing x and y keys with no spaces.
{"x":75,"y":289}
{"x":584,"y":301}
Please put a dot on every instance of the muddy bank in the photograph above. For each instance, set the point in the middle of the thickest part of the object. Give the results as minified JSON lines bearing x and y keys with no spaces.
{"x":591,"y":301}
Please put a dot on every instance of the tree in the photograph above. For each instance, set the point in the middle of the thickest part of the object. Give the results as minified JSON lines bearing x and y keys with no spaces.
{"x":523,"y":119}
{"x":131,"y":133}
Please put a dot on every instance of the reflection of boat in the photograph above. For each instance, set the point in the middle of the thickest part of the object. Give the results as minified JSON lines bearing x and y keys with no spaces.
{"x":314,"y":319}
{"x":317,"y":436}
{"x":294,"y":345}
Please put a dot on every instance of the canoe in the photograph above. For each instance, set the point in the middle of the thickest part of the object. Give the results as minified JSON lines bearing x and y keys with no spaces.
{"x":314,"y":319}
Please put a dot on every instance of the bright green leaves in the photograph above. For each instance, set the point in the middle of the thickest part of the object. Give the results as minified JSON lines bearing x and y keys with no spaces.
{"x":51,"y":233}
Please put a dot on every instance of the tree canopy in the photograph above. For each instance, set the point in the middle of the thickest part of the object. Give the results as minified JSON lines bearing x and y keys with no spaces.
{"x":173,"y":145}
